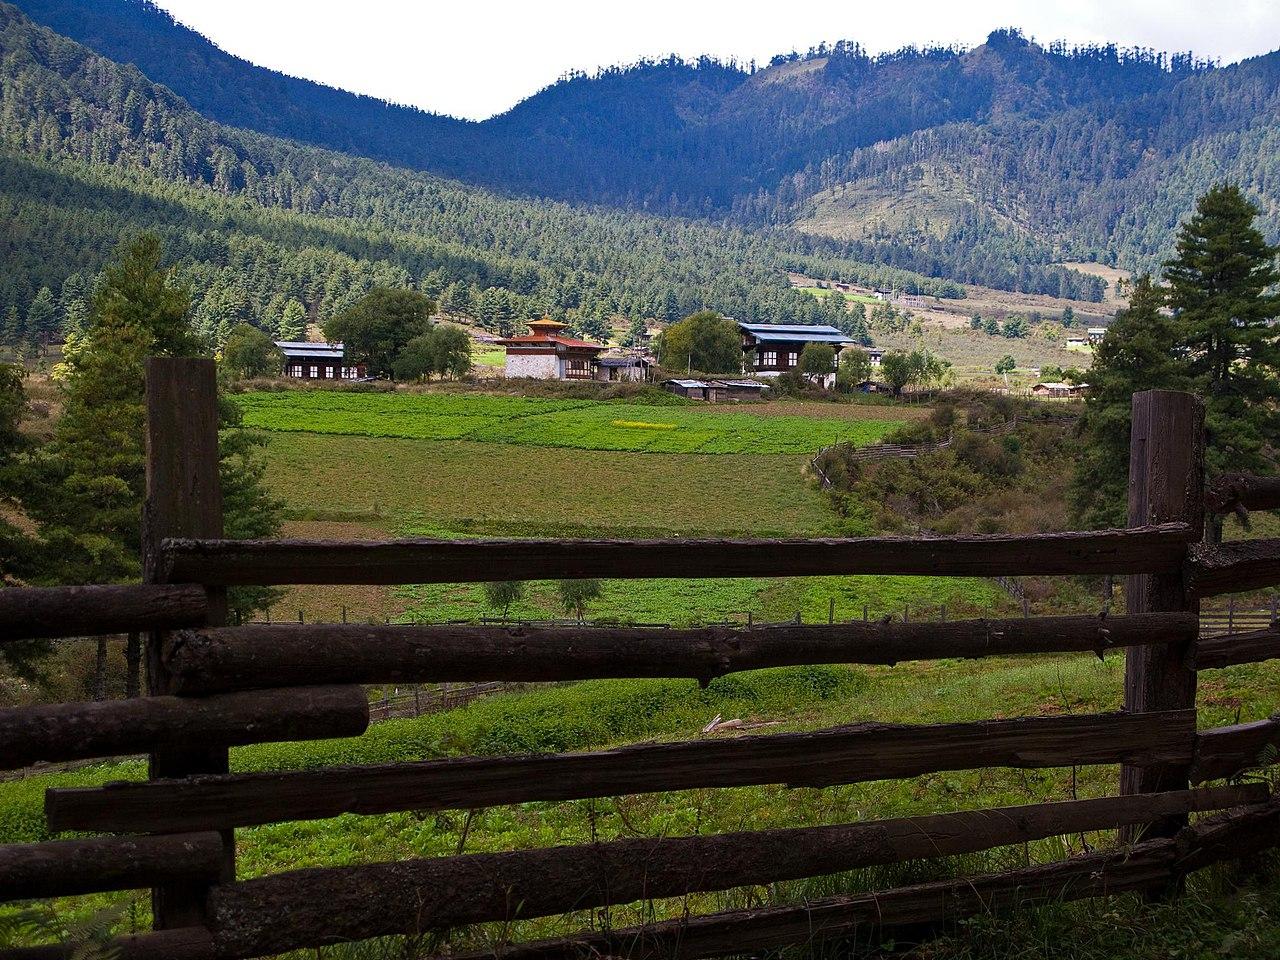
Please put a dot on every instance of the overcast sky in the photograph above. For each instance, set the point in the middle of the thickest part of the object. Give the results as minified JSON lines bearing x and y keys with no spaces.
{"x":474,"y":58}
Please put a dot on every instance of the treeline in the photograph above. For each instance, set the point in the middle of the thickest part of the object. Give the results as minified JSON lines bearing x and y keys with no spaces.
{"x":256,"y":224}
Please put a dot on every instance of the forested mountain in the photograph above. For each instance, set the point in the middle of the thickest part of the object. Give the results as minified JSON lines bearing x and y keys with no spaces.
{"x":984,"y":165}
{"x":91,"y":150}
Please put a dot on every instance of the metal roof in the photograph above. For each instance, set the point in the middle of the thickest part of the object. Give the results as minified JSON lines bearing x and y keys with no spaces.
{"x":306,"y":349}
{"x":749,"y":384}
{"x":687,"y":383}
{"x":795,"y":333}
{"x":623,"y":361}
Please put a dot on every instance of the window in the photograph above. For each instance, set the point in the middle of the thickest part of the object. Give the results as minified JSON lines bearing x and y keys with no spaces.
{"x":578,"y":368}
{"x":770,"y":358}
{"x":313,"y":371}
{"x":791,"y":358}
{"x":295,"y":369}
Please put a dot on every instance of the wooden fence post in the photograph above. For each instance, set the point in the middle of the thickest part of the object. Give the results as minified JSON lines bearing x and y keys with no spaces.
{"x":1166,"y":484}
{"x":183,"y":499}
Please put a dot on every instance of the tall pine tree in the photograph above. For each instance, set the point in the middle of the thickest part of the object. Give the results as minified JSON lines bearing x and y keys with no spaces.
{"x":1218,"y":290}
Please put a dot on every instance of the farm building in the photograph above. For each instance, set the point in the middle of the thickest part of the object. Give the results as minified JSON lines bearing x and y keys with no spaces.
{"x":615,"y":369}
{"x":770,"y":349}
{"x":546,"y":354}
{"x":1059,"y":391}
{"x":1096,"y":334}
{"x":1077,"y":343}
{"x":317,"y":361}
{"x":716,"y":391}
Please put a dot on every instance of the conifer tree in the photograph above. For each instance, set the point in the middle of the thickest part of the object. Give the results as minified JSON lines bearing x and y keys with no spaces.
{"x":1219,"y":285}
{"x":293,"y":322}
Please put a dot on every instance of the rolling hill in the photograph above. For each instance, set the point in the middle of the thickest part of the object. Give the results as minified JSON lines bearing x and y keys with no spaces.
{"x":985,"y":165}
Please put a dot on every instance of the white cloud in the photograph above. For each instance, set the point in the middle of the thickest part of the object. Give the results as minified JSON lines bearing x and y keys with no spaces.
{"x":478,"y":57}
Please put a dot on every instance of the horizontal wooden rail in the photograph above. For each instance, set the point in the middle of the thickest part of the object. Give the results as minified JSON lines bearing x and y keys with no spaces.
{"x":1154,"y":549}
{"x":1242,"y":491}
{"x":1234,"y":567}
{"x":1227,"y":751}
{"x":841,"y":755}
{"x":307,"y":908}
{"x":66,"y":867}
{"x":1230,"y":649}
{"x":185,"y":943}
{"x":75,"y":731}
{"x":1151,"y":864}
{"x":282,"y":655}
{"x":41,"y":612}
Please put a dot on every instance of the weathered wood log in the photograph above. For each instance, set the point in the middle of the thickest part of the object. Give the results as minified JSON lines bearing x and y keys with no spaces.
{"x":841,"y":755}
{"x":66,"y":867}
{"x":1234,"y":567}
{"x":1147,"y":865}
{"x":1232,"y":492}
{"x":1166,"y":483}
{"x":183,"y":943}
{"x":1227,"y":751}
{"x":183,"y":499}
{"x":306,"y":908}
{"x":1158,"y":548}
{"x":282,"y":655}
{"x":75,"y":731}
{"x":1232,"y":648}
{"x":40,"y":612}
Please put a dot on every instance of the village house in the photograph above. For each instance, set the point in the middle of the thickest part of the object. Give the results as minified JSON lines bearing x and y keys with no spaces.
{"x":317,"y":361}
{"x":1096,"y":334}
{"x":547,"y":354}
{"x":1059,"y":391}
{"x":771,"y":349}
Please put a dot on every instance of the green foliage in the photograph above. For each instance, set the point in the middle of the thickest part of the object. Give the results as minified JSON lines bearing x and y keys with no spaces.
{"x":1015,"y":328}
{"x":377,"y":328}
{"x":853,"y":369}
{"x":817,"y":359}
{"x":704,"y":342}
{"x":293,"y":322}
{"x":248,"y":352}
{"x":1220,"y":287}
{"x":897,"y":370}
{"x":442,"y":351}
{"x":501,"y":594}
{"x":583,"y":424}
{"x":576,"y":594}
{"x":1006,"y":365}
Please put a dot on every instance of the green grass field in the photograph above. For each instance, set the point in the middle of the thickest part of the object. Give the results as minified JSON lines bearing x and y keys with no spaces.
{"x":577,"y":424}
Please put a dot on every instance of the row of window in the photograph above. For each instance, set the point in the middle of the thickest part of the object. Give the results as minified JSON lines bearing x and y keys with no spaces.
{"x":769,"y":358}
{"x":320,"y":371}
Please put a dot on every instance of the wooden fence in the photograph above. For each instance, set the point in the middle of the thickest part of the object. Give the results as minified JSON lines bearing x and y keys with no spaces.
{"x":212,"y":686}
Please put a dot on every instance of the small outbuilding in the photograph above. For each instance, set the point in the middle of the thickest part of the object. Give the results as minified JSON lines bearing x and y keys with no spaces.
{"x":1059,"y":391}
{"x":623,"y":369}
{"x":693,"y":389}
{"x":718,"y":391}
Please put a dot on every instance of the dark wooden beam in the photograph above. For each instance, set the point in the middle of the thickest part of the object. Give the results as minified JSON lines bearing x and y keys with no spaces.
{"x":1230,"y":649}
{"x":1156,"y":549}
{"x":183,"y":499}
{"x":1233,"y":492}
{"x":1227,"y":751}
{"x":1234,"y":567}
{"x":1166,"y":484}
{"x":43,"y":612}
{"x":842,"y":755}
{"x":62,"y":868}
{"x":282,"y":655}
{"x":307,"y":908}
{"x":1149,"y":865}
{"x":76,"y":731}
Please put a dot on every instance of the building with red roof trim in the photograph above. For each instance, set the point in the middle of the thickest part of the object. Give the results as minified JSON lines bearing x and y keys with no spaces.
{"x":545,"y":354}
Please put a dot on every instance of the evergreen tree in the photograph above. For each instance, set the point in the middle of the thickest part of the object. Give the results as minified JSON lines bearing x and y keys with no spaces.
{"x":1219,"y":289}
{"x":293,"y":322}
{"x":1137,"y":353}
{"x":42,"y":317}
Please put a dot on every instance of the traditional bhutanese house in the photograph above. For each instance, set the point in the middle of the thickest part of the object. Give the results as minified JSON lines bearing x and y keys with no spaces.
{"x":618,"y":369}
{"x":770,"y":349}
{"x":1059,"y":391}
{"x":1096,"y":334}
{"x":317,"y":361}
{"x":546,"y":354}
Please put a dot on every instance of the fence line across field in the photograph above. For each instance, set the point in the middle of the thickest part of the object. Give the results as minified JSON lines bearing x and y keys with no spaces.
{"x":212,"y":685}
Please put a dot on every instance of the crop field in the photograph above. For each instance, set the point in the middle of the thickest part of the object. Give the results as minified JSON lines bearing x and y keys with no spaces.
{"x":576,"y":424}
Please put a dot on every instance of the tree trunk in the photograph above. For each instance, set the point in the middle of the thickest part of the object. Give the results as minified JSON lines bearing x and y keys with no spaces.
{"x":100,"y":671}
{"x":133,"y":665}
